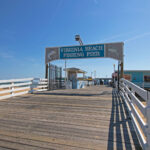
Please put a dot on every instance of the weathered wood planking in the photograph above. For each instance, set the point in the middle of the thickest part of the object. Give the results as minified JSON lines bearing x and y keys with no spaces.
{"x":94,"y":118}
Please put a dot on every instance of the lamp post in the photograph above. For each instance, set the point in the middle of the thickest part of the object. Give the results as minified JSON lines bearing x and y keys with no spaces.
{"x":95,"y":74}
{"x":77,"y":38}
{"x":114,"y":68}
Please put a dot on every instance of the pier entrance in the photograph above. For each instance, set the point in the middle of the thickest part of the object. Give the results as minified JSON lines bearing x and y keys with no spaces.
{"x":106,"y":50}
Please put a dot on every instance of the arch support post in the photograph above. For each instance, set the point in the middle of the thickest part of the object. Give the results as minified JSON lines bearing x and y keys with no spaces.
{"x":121,"y":73}
{"x":46,"y":71}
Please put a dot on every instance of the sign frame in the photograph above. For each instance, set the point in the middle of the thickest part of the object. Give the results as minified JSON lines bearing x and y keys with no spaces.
{"x":111,"y":50}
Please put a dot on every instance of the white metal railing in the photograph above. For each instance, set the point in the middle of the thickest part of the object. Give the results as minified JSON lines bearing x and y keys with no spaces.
{"x":15,"y":87}
{"x":39,"y":84}
{"x":143,"y":84}
{"x":138,"y":104}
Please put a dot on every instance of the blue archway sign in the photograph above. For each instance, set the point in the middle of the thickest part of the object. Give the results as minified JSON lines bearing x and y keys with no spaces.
{"x":106,"y":50}
{"x":87,"y":51}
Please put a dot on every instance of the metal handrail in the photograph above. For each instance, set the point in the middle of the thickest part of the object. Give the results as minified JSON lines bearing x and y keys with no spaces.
{"x":134,"y":97}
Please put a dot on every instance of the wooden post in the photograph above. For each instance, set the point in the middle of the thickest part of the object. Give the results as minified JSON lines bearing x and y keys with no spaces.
{"x":148,"y":121}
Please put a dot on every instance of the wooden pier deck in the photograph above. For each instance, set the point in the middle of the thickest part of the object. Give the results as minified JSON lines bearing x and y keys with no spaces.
{"x":94,"y":118}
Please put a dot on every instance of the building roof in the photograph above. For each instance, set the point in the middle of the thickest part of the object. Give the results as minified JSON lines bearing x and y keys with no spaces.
{"x":134,"y":70}
{"x":77,"y":70}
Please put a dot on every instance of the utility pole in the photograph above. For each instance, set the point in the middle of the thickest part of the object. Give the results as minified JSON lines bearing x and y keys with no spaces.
{"x":91,"y":74}
{"x":95,"y":74}
{"x":114,"y":68}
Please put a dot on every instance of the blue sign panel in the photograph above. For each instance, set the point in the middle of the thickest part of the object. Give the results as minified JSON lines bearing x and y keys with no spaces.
{"x":86,"y":51}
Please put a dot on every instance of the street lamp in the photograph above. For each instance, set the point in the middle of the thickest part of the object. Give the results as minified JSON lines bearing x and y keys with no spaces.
{"x":77,"y":38}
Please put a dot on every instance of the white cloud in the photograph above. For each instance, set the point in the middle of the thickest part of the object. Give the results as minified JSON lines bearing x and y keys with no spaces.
{"x":114,"y":37}
{"x":137,"y":37}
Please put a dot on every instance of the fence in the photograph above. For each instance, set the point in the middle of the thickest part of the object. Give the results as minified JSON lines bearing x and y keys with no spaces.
{"x":15,"y":87}
{"x":138,"y":104}
{"x":55,"y":77}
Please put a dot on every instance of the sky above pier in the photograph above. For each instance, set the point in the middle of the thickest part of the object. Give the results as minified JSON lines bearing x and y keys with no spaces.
{"x":27,"y":27}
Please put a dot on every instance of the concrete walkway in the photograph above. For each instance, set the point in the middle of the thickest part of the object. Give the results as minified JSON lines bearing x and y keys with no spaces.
{"x":94,"y":118}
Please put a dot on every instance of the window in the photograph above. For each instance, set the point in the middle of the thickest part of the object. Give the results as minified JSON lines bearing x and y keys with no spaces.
{"x":147,"y":78}
{"x":127,"y":77}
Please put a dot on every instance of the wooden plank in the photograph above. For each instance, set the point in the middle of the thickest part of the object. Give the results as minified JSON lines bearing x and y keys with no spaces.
{"x":91,"y":118}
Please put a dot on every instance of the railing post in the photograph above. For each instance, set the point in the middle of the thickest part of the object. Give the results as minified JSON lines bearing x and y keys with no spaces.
{"x":12,"y":88}
{"x":31,"y":86}
{"x":148,"y":121}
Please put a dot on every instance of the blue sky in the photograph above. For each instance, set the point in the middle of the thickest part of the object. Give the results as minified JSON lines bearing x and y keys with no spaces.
{"x":28,"y":26}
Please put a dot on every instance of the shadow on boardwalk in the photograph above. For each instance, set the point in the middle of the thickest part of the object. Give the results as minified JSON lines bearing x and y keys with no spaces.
{"x":121,"y":133}
{"x":72,"y":94}
{"x":77,"y":92}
